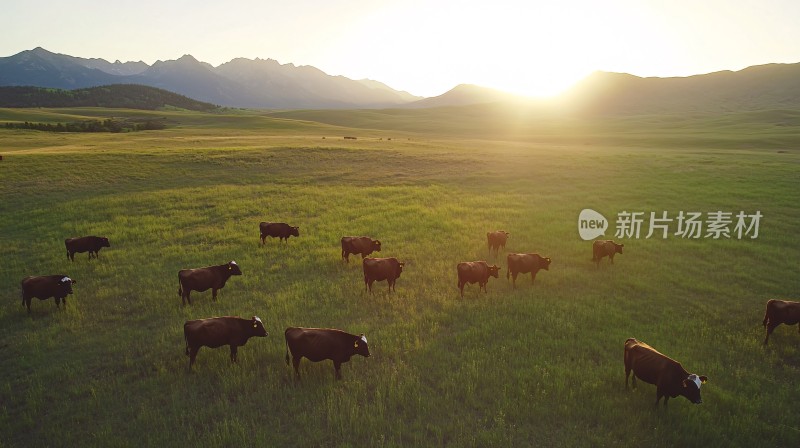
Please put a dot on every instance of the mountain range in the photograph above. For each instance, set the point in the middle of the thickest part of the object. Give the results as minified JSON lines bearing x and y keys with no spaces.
{"x":259,"y":83}
{"x":267,"y":84}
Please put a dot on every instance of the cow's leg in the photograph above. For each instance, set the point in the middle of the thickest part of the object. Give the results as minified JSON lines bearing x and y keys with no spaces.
{"x":234,"y":352}
{"x":627,"y":374}
{"x":514,"y":279}
{"x":64,"y":301}
{"x":72,"y":256}
{"x":770,"y":329}
{"x":262,"y":239}
{"x":27,"y":302}
{"x":193,"y":354}
{"x":338,"y":366}
{"x":370,"y":285}
{"x":346,"y":256}
{"x":533,"y":277}
{"x":461,"y":288}
{"x":611,"y":259}
{"x":296,"y":365}
{"x":214,"y":294}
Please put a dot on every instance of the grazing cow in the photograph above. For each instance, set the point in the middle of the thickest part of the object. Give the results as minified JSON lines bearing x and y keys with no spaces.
{"x":668,"y":375}
{"x":524,"y":263}
{"x":780,"y":312}
{"x":475,"y":271}
{"x":602,"y":248}
{"x":319,"y":344}
{"x":363,"y":245}
{"x":218,"y":331}
{"x":380,"y":269}
{"x":201,"y":279}
{"x":46,"y":286}
{"x":277,"y":230}
{"x":91,"y":244}
{"x":497,"y":239}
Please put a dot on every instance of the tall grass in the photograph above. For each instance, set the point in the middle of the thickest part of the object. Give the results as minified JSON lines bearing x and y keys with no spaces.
{"x":540,"y":365}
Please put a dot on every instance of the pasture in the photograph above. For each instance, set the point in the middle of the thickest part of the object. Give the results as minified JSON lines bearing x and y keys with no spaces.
{"x":535,"y":366}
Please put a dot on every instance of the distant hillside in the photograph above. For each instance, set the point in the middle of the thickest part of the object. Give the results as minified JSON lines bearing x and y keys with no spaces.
{"x":113,"y":96}
{"x":465,"y":95}
{"x":258,"y":83}
{"x":763,"y":87}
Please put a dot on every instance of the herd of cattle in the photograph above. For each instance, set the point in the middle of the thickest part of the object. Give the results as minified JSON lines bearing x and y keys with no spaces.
{"x":318,"y":344}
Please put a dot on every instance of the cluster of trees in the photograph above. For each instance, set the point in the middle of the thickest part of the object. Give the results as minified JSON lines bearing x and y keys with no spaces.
{"x":108,"y":125}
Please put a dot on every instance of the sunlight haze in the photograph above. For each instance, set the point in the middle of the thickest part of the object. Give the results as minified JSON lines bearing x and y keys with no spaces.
{"x":536,"y":48}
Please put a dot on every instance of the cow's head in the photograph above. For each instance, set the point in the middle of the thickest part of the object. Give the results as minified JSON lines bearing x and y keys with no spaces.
{"x":257,"y":328}
{"x":691,"y":387}
{"x":376,"y":246}
{"x":494,"y":270}
{"x":545,"y":263}
{"x":295,"y":231}
{"x":360,"y":346}
{"x":400,"y":268}
{"x":618,"y":247}
{"x":233,"y":268}
{"x":67,"y":283}
{"x":104,"y":242}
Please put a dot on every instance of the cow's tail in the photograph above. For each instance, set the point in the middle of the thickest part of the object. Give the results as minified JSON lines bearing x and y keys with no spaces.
{"x":287,"y":353}
{"x":186,"y":338}
{"x":180,"y":291}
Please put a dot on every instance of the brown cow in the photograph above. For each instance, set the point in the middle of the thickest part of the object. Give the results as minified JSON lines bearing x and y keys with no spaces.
{"x":668,"y":375}
{"x":46,"y":286}
{"x":201,"y":279}
{"x":218,"y":331}
{"x":497,"y":239}
{"x":602,"y":248}
{"x":363,"y":245}
{"x":380,"y":269}
{"x":279,"y":230}
{"x":81,"y":244}
{"x":780,"y":312}
{"x":475,"y":272}
{"x":524,"y":263}
{"x":319,"y":344}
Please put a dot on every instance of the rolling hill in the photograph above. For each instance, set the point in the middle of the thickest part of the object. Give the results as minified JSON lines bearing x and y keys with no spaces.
{"x":112,"y":96}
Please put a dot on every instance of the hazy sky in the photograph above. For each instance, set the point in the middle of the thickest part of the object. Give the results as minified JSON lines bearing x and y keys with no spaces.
{"x":425,"y":47}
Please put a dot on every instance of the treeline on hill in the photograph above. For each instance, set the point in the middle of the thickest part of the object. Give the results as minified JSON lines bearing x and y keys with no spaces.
{"x":108,"y":125}
{"x":126,"y":96}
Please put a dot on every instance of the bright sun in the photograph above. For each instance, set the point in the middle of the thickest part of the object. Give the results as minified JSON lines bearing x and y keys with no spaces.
{"x":528,"y":47}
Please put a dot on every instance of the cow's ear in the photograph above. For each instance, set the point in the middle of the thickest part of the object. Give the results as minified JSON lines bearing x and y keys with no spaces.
{"x":703,"y":379}
{"x":355,"y":344}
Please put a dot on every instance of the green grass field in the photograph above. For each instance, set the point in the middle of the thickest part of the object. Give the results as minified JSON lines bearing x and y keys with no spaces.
{"x":535,"y":366}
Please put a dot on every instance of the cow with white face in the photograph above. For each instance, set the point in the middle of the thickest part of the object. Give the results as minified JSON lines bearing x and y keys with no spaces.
{"x":46,"y":286}
{"x":668,"y":375}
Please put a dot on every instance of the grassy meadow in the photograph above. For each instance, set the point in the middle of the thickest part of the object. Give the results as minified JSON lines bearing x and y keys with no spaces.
{"x":537,"y":366}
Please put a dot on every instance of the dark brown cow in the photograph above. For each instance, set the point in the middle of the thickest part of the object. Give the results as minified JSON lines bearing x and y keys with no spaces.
{"x":497,"y":239}
{"x":475,"y":272}
{"x":525,"y":263}
{"x":81,"y":244}
{"x":218,"y":331}
{"x":380,"y":269}
{"x":319,"y":344}
{"x":363,"y":245}
{"x":46,"y":286}
{"x":780,"y":312}
{"x":603,"y":248}
{"x":201,"y":279}
{"x":668,"y":375}
{"x":279,"y":230}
